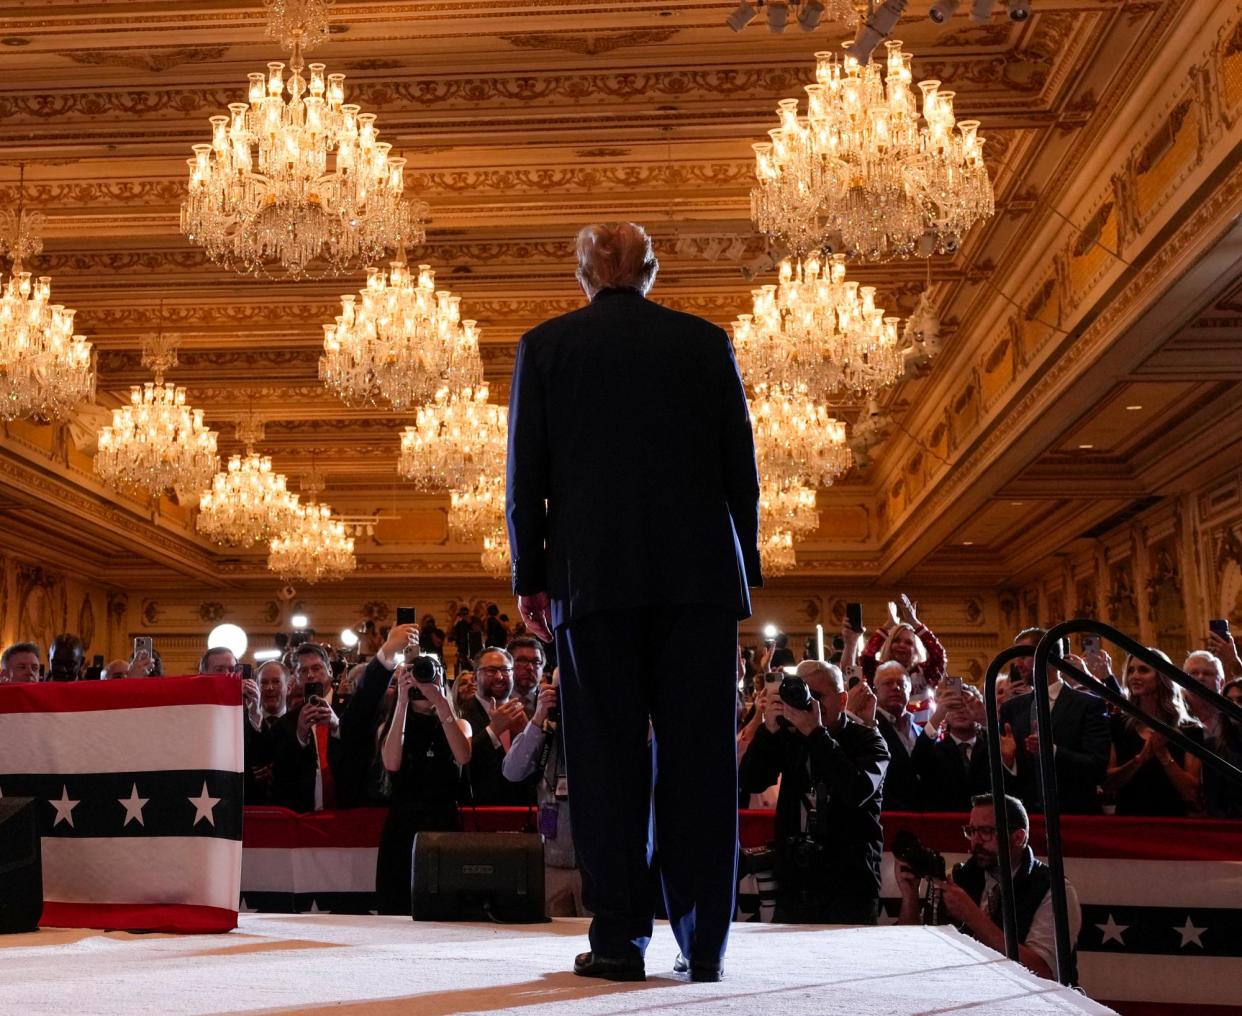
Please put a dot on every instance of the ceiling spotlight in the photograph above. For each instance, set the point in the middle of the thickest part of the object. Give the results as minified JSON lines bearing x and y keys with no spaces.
{"x":1019,"y":10}
{"x":942,"y":10}
{"x":982,"y":11}
{"x":809,"y":15}
{"x":298,"y":621}
{"x":741,"y":17}
{"x":761,"y":264}
{"x":684,"y":245}
{"x":778,"y":17}
{"x":713,"y":247}
{"x":876,"y":29}
{"x":736,"y":249}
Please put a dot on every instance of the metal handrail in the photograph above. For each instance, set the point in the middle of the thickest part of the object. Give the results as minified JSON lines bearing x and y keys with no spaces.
{"x":1045,"y":656}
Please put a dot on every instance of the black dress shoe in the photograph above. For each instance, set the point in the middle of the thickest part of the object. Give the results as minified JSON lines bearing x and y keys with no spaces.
{"x":587,"y":964}
{"x":698,"y":971}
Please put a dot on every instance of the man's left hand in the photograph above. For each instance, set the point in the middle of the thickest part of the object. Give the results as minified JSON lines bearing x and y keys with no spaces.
{"x":805,"y":721}
{"x":536,"y":611}
{"x":250,"y":692}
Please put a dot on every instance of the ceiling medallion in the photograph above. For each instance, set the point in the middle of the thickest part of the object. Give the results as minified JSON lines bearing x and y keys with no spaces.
{"x":456,"y":441}
{"x":399,"y":341}
{"x":863,"y":172}
{"x":813,"y":330}
{"x":248,"y":503}
{"x":156,"y":442}
{"x":316,"y":547}
{"x":46,"y":370}
{"x":295,"y":182}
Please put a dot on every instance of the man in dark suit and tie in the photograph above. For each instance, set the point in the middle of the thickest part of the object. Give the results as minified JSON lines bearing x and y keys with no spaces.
{"x":953,"y":768}
{"x":633,"y":511}
{"x":1080,"y":734}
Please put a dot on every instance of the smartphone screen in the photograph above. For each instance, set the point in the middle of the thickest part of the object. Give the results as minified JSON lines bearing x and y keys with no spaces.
{"x":1220,"y":625}
{"x":142,"y":644}
{"x":853,"y":616}
{"x":407,"y":615}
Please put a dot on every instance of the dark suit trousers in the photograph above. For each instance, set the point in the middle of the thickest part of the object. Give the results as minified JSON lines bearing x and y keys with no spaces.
{"x":677,"y":668}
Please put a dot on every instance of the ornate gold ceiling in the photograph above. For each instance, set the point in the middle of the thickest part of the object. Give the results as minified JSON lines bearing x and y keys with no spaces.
{"x":1107,"y":278}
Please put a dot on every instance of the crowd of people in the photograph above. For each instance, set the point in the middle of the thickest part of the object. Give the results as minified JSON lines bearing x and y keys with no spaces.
{"x":834,"y":746}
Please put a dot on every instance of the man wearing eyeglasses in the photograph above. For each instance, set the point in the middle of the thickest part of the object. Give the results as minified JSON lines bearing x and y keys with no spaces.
{"x":496,"y":716}
{"x":528,"y":663}
{"x":972,"y":895}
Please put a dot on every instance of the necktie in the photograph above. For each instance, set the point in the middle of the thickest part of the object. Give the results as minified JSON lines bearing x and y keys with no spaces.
{"x":963,"y":748}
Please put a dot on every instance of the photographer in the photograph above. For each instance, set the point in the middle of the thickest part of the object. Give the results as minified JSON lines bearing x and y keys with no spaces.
{"x":424,"y":749}
{"x":831,"y":769}
{"x":539,"y":749}
{"x":972,"y":895}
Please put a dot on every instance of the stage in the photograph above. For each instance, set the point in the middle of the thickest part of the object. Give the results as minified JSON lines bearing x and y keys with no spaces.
{"x":381,"y":966}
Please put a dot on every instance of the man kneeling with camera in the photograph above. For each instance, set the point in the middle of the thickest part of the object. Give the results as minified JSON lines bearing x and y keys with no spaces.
{"x":971,"y":896}
{"x":831,"y":768}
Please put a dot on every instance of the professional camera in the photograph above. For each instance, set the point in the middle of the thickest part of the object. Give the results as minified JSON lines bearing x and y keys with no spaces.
{"x":922,"y":861}
{"x":795,"y":693}
{"x":427,"y":669}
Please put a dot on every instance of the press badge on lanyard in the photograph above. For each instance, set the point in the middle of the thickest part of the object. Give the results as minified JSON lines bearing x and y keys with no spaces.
{"x":548,"y":814}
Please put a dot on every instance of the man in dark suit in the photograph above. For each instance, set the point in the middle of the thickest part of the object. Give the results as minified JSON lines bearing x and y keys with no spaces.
{"x":299,"y":779}
{"x":1080,"y":733}
{"x":633,"y":511}
{"x":953,"y":768}
{"x":900,"y":733}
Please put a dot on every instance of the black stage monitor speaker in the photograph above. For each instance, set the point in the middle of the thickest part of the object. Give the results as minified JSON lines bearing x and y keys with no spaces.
{"x":478,"y":877}
{"x":21,"y":866}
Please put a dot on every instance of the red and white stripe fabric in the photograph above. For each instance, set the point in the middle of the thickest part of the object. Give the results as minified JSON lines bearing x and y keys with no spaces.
{"x":138,"y":791}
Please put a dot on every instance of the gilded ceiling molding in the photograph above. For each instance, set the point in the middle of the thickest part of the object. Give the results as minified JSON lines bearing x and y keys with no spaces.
{"x":154,"y":60}
{"x":590,"y":45}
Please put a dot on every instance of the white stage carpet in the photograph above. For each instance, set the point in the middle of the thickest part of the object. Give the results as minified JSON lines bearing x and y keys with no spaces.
{"x":388,"y":966}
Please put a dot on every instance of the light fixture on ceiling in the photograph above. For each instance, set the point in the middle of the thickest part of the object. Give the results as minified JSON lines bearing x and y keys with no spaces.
{"x":478,"y":509}
{"x":46,"y":371}
{"x":157,"y":442}
{"x":891,"y":183}
{"x":816,"y":332}
{"x":290,"y":183}
{"x":495,"y":557}
{"x":1019,"y":10}
{"x":788,"y":505}
{"x":742,"y":16}
{"x":797,"y":440}
{"x":316,"y":547}
{"x":399,"y":341}
{"x":981,"y":13}
{"x":968,"y":543}
{"x":776,"y":551}
{"x":878,"y":27}
{"x":1134,"y":409}
{"x":455,"y":440}
{"x":247,"y":503}
{"x":778,"y":17}
{"x":942,"y":10}
{"x":736,"y":248}
{"x":1085,"y":447}
{"x":809,"y":14}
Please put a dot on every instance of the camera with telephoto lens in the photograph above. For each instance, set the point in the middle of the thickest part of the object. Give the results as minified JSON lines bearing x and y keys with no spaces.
{"x":427,"y":669}
{"x":922,"y":861}
{"x":795,"y":693}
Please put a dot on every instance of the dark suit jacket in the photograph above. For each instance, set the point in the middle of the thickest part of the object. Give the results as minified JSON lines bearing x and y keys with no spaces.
{"x":945,"y":781}
{"x":851,"y":765}
{"x":349,"y":755}
{"x":488,"y":786}
{"x":901,"y":785}
{"x":1081,"y":734}
{"x":630,"y":421}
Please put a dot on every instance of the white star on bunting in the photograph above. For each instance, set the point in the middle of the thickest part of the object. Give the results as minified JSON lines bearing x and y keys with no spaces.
{"x":133,"y":806}
{"x":64,"y":808}
{"x":1113,"y":931}
{"x":1190,"y":933}
{"x":203,"y":805}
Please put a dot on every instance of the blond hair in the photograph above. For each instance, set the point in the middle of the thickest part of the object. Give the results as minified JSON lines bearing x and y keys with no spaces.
{"x":616,"y":256}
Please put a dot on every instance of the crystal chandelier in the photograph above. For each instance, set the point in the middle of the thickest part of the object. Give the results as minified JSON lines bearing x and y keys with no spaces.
{"x":863,"y":172}
{"x":776,"y":552}
{"x":457,"y":440}
{"x":399,"y":341}
{"x":296,"y":175}
{"x":796,"y":440}
{"x":45,"y":370}
{"x":317,"y":546}
{"x":495,"y":557}
{"x":478,"y":510}
{"x":157,"y":442}
{"x":818,"y":332}
{"x":248,"y":503}
{"x":789,"y":506}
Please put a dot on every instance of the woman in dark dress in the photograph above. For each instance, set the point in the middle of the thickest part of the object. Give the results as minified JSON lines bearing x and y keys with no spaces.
{"x":424,"y":756}
{"x":1149,"y":775}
